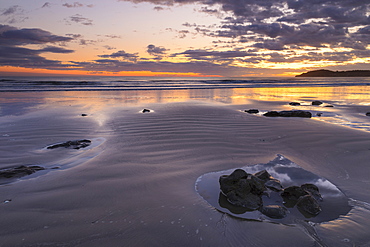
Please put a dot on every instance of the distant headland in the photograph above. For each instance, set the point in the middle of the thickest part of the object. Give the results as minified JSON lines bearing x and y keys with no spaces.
{"x":329,"y":73}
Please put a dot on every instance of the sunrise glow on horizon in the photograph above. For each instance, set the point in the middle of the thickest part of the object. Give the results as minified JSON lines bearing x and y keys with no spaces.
{"x":192,"y":38}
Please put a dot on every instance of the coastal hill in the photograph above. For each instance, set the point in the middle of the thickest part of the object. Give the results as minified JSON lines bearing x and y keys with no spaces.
{"x":329,"y":73}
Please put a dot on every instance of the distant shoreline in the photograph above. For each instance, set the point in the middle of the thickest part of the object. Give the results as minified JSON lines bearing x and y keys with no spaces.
{"x":329,"y":73}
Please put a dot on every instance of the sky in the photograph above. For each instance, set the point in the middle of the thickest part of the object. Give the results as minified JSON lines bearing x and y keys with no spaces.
{"x":224,"y":38}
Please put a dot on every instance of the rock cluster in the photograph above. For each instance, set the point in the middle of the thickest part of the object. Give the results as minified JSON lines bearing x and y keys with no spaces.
{"x":246,"y":190}
{"x":77,"y":144}
{"x":19,"y":171}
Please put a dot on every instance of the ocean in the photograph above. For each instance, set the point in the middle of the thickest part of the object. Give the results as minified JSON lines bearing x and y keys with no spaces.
{"x":85,"y":83}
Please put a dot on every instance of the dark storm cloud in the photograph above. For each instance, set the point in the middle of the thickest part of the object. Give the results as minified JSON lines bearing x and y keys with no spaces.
{"x":13,"y":55}
{"x":13,"y":36}
{"x":28,"y":58}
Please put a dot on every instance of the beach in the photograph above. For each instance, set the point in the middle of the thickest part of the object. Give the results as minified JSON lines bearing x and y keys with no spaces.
{"x":135,"y":185}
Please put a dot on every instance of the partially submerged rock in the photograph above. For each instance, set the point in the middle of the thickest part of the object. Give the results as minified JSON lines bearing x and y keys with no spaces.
{"x":145,"y":110}
{"x":77,"y":144}
{"x":294,"y":103}
{"x":308,"y":205}
{"x":252,"y":111}
{"x":316,"y":102}
{"x":296,"y":113}
{"x":19,"y":171}
{"x":368,"y":114}
{"x":274,"y":211}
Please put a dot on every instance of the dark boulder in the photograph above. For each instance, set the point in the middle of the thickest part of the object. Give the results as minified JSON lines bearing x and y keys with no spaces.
{"x":308,"y":205}
{"x":293,"y":193}
{"x":252,"y":111}
{"x":294,"y":103}
{"x":274,"y":211}
{"x":145,"y":110}
{"x":84,"y":115}
{"x":297,"y":113}
{"x":19,"y":171}
{"x":242,"y":189}
{"x":77,"y":144}
{"x":316,"y":102}
{"x":249,"y":200}
{"x":368,"y":114}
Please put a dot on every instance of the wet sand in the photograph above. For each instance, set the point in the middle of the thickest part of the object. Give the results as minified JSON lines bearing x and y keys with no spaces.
{"x":136,"y":185}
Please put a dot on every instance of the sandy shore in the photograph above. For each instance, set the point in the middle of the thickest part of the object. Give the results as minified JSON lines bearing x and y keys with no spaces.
{"x":136,"y":185}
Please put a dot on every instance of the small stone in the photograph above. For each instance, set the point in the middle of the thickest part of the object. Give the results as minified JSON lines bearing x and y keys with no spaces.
{"x":329,"y":106}
{"x":145,"y":110}
{"x":316,"y":102}
{"x":84,"y":115}
{"x":294,"y":103}
{"x":252,"y":111}
{"x":319,"y":114}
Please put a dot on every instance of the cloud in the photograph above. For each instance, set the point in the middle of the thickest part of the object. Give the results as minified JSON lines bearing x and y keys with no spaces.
{"x":122,"y":54}
{"x":80,"y":20}
{"x":13,"y":14}
{"x":13,"y":55}
{"x":280,"y":24}
{"x":77,"y":5}
{"x":46,"y":5}
{"x":157,"y":51}
{"x":13,"y":36}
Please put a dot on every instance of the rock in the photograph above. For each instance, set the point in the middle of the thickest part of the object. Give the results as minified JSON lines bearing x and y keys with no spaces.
{"x":316,"y":102}
{"x":294,"y":103}
{"x":368,"y":114}
{"x":249,"y":201}
{"x":84,"y":115}
{"x":313,"y":190}
{"x":274,"y":211}
{"x":297,"y":113}
{"x":19,"y":171}
{"x":242,"y":189}
{"x":293,"y":193}
{"x":274,"y":185}
{"x":145,"y":110}
{"x":77,"y":144}
{"x":329,"y":106}
{"x":252,"y":111}
{"x":319,"y":114}
{"x":308,"y":204}
{"x":264,"y":175}
{"x":230,"y":182}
